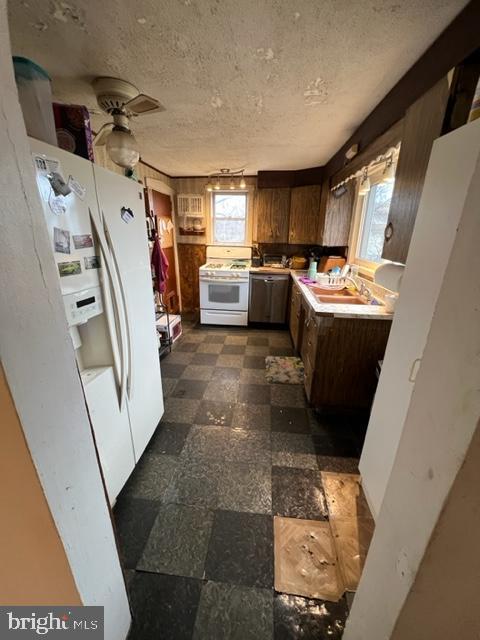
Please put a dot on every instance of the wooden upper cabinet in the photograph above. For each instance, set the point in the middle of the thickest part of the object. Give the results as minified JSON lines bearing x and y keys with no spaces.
{"x":335,"y":216}
{"x":336,"y":213}
{"x":422,"y":125}
{"x":304,"y":214}
{"x":271,"y":214}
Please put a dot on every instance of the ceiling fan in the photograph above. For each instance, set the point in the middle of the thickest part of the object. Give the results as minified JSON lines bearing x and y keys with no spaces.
{"x":121,"y":100}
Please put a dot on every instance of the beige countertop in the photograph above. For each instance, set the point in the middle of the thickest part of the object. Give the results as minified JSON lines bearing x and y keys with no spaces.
{"x":373,"y":312}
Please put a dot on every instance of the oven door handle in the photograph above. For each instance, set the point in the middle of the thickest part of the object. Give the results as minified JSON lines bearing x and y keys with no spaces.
{"x":224,"y":281}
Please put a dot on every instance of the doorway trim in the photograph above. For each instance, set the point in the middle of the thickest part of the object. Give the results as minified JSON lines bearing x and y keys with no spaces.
{"x":162,"y":187}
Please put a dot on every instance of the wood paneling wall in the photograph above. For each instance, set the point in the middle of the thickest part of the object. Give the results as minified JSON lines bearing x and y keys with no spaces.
{"x":198,"y":185}
{"x":190,"y":258}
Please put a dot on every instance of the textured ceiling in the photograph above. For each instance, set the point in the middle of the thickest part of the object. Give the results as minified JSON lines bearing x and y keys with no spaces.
{"x":260,"y":84}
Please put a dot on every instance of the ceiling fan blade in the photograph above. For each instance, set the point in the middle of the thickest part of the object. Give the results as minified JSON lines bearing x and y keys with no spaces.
{"x":103,"y":133}
{"x":93,"y":111}
{"x":143,"y":104}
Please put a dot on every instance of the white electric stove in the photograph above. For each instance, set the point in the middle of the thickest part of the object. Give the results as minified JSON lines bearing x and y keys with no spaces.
{"x":224,"y":285}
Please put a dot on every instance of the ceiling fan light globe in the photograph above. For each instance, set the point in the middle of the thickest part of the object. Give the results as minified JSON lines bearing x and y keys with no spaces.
{"x":123,"y":149}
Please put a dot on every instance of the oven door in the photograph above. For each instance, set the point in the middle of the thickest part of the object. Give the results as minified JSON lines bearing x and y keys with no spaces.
{"x":224,"y":294}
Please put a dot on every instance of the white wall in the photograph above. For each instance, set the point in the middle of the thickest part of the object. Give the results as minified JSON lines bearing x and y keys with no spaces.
{"x":448,"y":176}
{"x":445,"y":593}
{"x":39,"y":363}
{"x":440,"y":421}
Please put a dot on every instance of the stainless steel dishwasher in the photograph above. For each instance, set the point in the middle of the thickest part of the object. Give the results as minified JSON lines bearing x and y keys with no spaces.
{"x":268,"y":297}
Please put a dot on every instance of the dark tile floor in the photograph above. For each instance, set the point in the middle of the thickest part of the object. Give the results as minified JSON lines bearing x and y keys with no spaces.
{"x":195,"y":520}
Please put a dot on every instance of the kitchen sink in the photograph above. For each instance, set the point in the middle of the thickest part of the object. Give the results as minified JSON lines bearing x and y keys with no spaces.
{"x":341,"y":299}
{"x":344,"y":296}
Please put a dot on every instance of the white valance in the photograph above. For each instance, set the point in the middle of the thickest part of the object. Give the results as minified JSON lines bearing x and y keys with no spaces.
{"x":391,"y":154}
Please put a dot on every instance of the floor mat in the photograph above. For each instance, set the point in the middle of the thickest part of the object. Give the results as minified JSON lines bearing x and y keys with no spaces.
{"x":284,"y":369}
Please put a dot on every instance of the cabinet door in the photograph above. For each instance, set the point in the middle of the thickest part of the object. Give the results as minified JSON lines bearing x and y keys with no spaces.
{"x":271,"y":213}
{"x":422,"y":124}
{"x":304,"y":215}
{"x":348,"y":350}
{"x":338,"y":217}
{"x":296,"y":318}
{"x":310,"y":339}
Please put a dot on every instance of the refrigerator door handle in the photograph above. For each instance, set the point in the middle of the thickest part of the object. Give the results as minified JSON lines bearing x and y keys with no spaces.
{"x":118,"y":322}
{"x":124,"y":305}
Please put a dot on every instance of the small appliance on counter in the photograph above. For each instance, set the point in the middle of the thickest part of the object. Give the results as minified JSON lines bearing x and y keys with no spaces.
{"x":274,"y":261}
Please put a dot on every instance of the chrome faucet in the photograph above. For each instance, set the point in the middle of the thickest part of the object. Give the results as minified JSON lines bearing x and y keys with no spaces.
{"x":365,"y":292}
{"x":362,"y":288}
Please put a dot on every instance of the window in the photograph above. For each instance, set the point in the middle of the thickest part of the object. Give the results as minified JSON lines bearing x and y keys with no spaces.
{"x":371,"y":217}
{"x":229,"y":218}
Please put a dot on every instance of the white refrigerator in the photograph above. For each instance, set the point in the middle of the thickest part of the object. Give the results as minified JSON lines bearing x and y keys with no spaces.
{"x":96,"y":222}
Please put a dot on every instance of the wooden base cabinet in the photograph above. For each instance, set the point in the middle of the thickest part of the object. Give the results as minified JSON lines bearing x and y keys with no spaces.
{"x":340,"y":356}
{"x":296,"y":316}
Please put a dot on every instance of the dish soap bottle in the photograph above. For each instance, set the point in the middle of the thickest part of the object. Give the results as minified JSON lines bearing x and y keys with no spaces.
{"x":312,"y":270}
